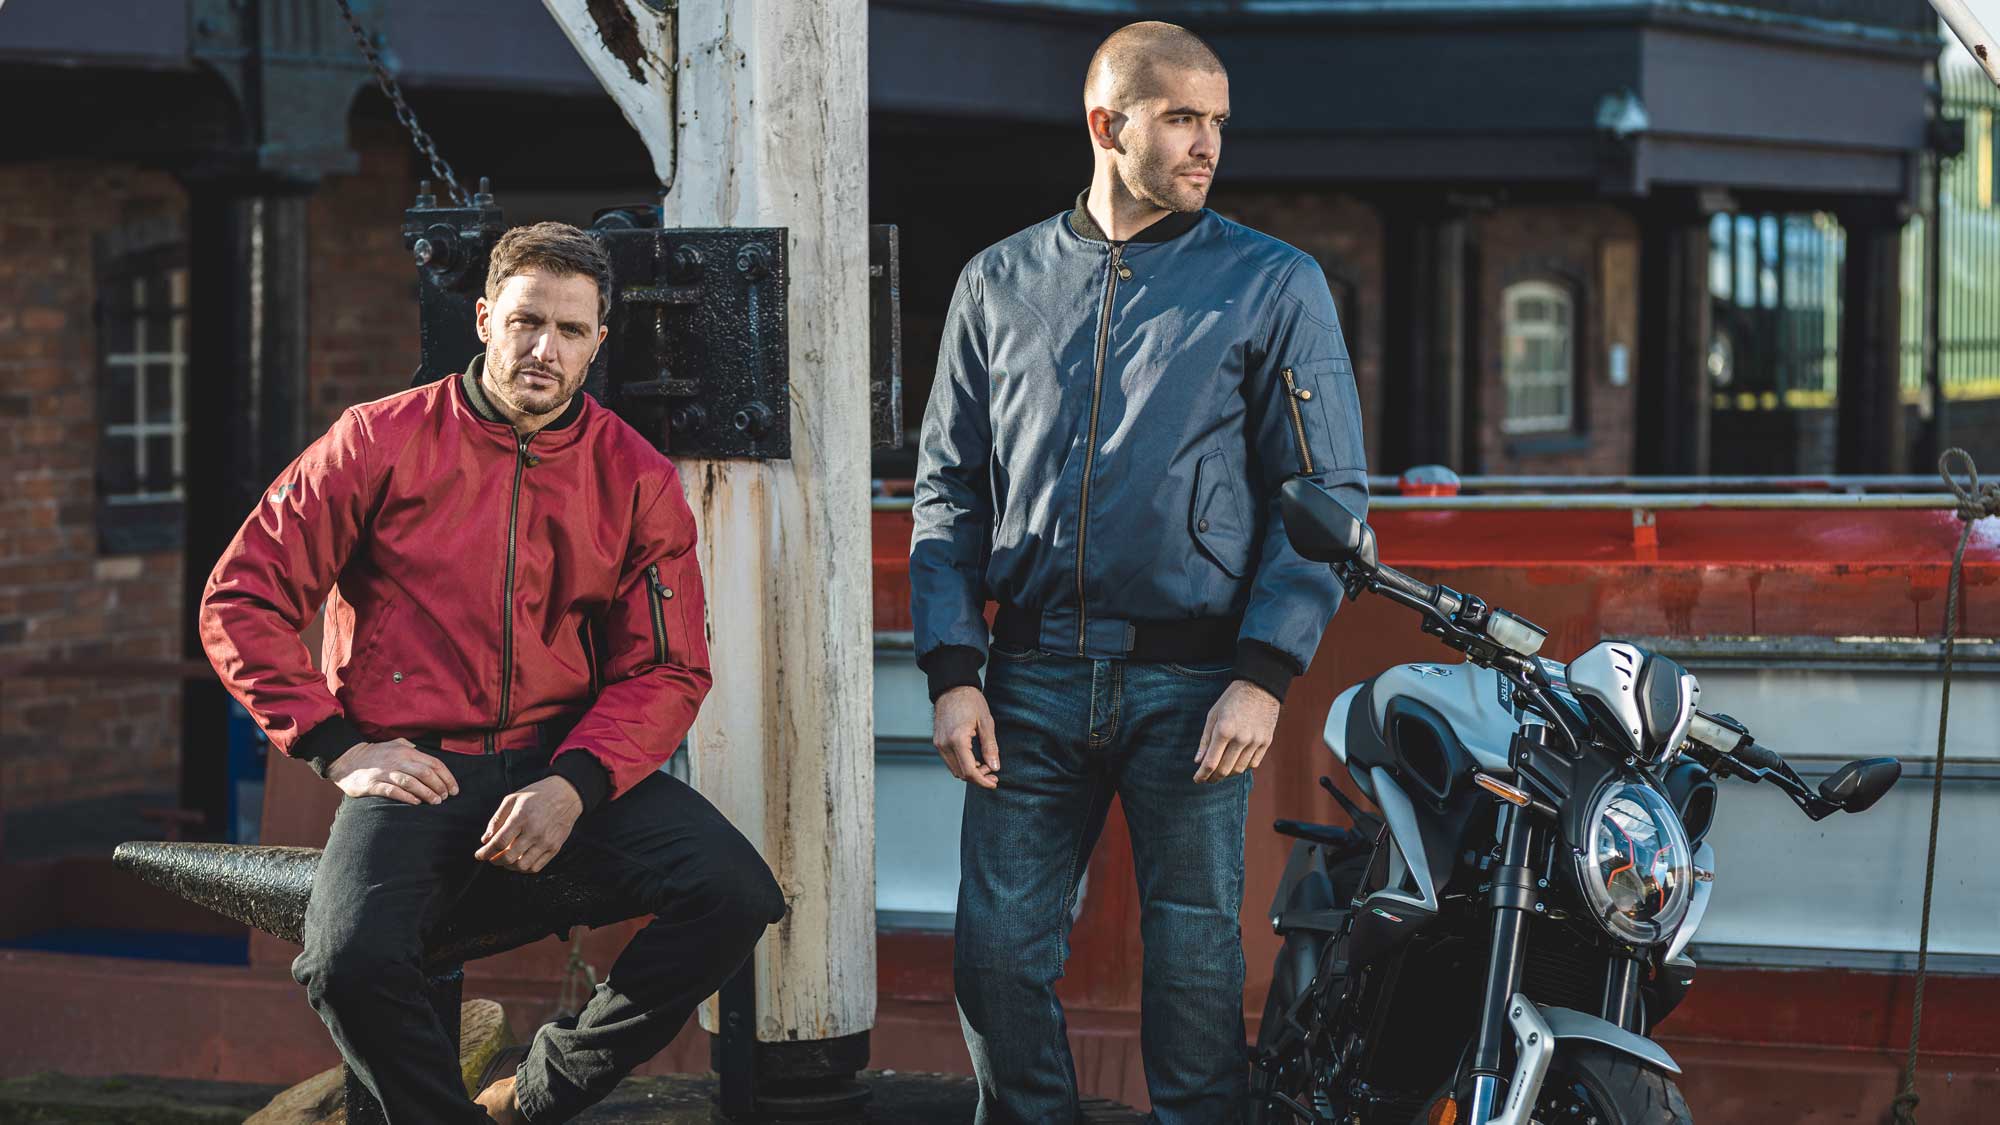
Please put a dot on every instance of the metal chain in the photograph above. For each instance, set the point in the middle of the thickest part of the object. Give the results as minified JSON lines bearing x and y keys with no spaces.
{"x":404,"y":113}
{"x":1974,"y":502}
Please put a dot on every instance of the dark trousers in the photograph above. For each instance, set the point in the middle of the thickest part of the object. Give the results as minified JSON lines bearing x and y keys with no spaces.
{"x":392,"y":870}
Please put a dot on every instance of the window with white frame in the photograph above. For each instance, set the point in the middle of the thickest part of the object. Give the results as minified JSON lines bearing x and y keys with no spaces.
{"x":1539,"y":360}
{"x":142,"y":438}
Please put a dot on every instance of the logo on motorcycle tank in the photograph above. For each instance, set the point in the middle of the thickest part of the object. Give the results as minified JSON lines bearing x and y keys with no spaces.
{"x":1429,"y":670}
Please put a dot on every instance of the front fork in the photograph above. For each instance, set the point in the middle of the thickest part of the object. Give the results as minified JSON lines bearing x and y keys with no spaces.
{"x":1512,"y":897}
{"x":1505,"y":1014}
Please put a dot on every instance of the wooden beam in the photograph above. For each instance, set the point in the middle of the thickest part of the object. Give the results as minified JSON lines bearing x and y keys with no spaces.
{"x":773,"y":121}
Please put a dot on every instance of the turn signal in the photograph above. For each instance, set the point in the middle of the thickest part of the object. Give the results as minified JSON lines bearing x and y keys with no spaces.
{"x":1443,"y":1112}
{"x":1511,"y":794}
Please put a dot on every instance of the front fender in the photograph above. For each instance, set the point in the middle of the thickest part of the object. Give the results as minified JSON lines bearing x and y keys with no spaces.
{"x":1568,"y":1024}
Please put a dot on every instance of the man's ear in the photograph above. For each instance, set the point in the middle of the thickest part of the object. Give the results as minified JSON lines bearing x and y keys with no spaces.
{"x":603,"y":331}
{"x":1104,"y":127}
{"x":480,"y":311}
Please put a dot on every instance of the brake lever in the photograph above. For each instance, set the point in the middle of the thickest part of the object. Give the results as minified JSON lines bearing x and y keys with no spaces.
{"x":1774,"y":770}
{"x":1791,"y":785}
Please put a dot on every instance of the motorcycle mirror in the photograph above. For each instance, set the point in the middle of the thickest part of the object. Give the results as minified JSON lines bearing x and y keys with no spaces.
{"x":1322,"y":529}
{"x":1857,"y":785}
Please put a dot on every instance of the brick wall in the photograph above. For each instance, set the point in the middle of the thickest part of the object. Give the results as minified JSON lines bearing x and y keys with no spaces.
{"x":60,"y":602}
{"x":1594,"y":246}
{"x":363,"y":284}
{"x":1345,"y":235}
{"x":1593,"y":250}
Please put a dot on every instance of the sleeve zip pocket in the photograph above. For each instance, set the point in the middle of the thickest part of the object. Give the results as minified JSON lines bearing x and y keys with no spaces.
{"x":1295,"y":394}
{"x":657,"y":594}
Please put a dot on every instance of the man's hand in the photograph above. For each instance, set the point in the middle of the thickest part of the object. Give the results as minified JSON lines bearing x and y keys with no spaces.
{"x":960,"y":721}
{"x":395,"y":769}
{"x":530,"y":826}
{"x":1238,"y":732}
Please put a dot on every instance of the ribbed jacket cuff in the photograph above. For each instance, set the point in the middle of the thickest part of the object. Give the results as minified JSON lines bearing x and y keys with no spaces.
{"x":585,"y":774}
{"x":951,"y":666}
{"x":321,"y":746}
{"x":1267,"y":666}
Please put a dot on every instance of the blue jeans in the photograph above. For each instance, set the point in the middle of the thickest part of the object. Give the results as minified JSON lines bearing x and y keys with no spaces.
{"x":1073,"y":734}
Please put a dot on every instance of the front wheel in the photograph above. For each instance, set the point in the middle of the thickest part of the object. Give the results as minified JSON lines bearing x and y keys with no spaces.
{"x":1592,"y":1085}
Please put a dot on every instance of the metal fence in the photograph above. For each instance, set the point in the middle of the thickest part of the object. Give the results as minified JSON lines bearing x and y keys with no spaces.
{"x":1968,"y":250}
{"x":1774,"y":285}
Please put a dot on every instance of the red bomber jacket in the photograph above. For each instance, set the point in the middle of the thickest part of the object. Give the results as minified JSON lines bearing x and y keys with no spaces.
{"x":484,"y":588}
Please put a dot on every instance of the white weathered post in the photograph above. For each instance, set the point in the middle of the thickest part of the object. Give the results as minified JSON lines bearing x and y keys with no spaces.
{"x":772,"y":115}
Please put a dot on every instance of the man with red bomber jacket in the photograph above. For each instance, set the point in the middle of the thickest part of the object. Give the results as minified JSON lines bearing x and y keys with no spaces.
{"x":514,"y":646}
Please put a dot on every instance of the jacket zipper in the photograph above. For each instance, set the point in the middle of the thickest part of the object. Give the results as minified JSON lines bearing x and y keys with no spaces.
{"x":521,"y":463}
{"x":656,"y":593}
{"x":1294,"y":394}
{"x":590,"y":657}
{"x":1118,"y":270}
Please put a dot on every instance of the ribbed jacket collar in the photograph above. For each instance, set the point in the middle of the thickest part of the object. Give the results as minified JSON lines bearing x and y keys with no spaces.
{"x":1173,"y":225}
{"x":479,"y":404}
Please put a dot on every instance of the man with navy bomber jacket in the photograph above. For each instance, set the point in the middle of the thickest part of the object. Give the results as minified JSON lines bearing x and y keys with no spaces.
{"x":1121,"y":390}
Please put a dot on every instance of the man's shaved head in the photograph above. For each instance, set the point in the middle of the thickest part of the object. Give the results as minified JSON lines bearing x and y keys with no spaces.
{"x":1127,"y":64}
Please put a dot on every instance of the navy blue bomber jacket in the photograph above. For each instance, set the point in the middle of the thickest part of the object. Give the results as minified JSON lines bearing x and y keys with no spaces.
{"x":1106,"y":436}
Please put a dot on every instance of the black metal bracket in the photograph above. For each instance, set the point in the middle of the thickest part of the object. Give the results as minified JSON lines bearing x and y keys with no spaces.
{"x":697,"y":355}
{"x":697,"y":358}
{"x":451,"y":246}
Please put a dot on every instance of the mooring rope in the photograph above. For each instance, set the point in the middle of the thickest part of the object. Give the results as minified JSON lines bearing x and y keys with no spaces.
{"x":1975,"y":502}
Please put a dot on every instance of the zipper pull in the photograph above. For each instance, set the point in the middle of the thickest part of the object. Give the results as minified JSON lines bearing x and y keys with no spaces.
{"x":1124,"y":272}
{"x":1298,"y":393}
{"x":525,"y":456}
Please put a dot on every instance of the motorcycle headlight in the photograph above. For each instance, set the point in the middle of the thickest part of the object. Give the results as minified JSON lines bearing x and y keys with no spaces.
{"x":1634,"y":864}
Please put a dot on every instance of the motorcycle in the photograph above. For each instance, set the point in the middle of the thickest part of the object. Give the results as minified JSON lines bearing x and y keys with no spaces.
{"x":1496,"y":944}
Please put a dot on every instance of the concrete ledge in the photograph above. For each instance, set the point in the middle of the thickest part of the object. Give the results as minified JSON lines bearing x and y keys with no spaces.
{"x":895,"y":1099}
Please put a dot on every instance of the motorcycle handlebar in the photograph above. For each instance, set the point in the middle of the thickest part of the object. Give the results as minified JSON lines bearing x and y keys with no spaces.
{"x":1728,"y":737}
{"x":1393,"y":579}
{"x":1760,"y":757}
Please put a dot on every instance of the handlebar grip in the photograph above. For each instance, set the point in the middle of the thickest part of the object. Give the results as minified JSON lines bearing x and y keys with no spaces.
{"x":1760,"y":757}
{"x":1403,"y":584}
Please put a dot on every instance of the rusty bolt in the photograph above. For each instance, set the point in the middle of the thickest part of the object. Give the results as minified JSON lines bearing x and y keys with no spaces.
{"x":753,"y":262}
{"x":753,"y":419}
{"x":687,"y":264}
{"x":688,"y":417}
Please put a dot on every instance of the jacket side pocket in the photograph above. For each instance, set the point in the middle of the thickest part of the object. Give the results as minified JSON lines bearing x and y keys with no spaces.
{"x":1217,"y":518}
{"x":1306,"y":388}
